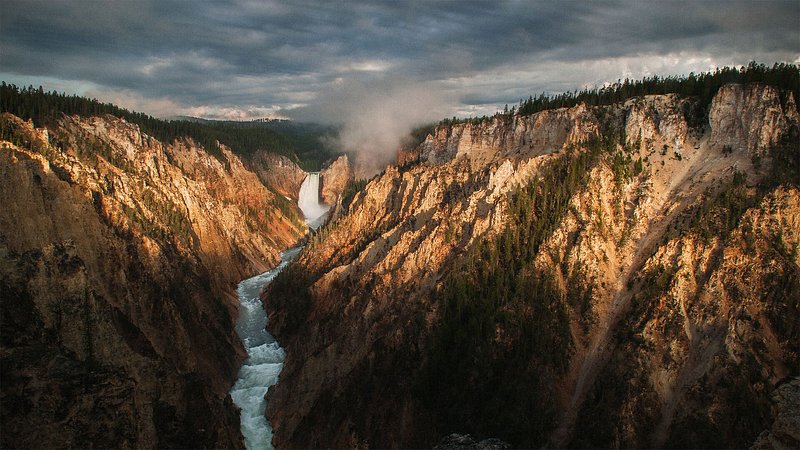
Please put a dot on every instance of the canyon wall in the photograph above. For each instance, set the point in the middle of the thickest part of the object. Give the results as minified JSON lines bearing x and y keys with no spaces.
{"x":335,"y":179}
{"x":119,"y":257}
{"x":278,"y":172}
{"x":622,"y":275}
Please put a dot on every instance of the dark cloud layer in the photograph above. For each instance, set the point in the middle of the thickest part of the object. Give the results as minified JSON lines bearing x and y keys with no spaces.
{"x":248,"y":58}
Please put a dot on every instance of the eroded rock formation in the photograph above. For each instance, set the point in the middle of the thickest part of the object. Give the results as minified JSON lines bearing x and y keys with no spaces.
{"x":649,"y":298}
{"x":334,"y":179}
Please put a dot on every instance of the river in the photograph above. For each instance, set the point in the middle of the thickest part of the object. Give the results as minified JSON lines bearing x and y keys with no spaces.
{"x":264,"y":354}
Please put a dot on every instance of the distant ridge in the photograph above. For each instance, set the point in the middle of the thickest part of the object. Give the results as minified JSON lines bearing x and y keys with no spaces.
{"x":204,"y":120}
{"x":300,"y":142}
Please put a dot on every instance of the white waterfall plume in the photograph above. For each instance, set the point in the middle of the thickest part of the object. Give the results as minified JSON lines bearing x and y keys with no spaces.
{"x":308,"y":201}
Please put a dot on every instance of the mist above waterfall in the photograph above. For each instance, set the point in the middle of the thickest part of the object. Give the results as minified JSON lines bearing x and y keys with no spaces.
{"x":376,"y":116}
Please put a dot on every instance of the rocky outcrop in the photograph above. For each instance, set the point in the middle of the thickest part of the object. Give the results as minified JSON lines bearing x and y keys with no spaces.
{"x":466,"y":442}
{"x":633,"y":278}
{"x":785,"y":431}
{"x":334,"y":180}
{"x":509,"y":137}
{"x":658,"y":120}
{"x":119,"y":256}
{"x":751,"y":117}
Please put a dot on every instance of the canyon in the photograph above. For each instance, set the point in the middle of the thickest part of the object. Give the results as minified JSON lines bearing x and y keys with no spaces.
{"x":589,"y":276}
{"x":617,"y":275}
{"x":399,"y":225}
{"x":119,"y":259}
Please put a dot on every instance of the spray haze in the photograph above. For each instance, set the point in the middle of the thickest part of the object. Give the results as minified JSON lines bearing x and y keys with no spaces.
{"x":375,"y":117}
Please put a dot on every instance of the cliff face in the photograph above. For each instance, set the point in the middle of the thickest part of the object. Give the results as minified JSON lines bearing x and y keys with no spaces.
{"x":334,"y":180}
{"x":509,"y":138}
{"x":119,"y":257}
{"x":279,"y":173}
{"x":533,"y":274}
{"x":750,"y":117}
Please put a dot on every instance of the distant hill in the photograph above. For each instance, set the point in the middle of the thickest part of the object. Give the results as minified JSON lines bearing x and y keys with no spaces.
{"x":303,"y":143}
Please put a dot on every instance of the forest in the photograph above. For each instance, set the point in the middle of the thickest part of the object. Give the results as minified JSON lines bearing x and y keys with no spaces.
{"x":496,"y":285}
{"x":300,"y":142}
{"x":702,"y":86}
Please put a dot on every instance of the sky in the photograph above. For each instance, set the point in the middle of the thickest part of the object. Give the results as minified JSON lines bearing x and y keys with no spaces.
{"x":331,"y":61}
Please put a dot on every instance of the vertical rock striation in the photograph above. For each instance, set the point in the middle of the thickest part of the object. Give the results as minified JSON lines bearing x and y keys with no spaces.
{"x":658,"y":292}
{"x":119,"y":256}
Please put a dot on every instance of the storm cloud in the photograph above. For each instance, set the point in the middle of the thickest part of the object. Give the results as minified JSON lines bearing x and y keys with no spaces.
{"x":244,"y":59}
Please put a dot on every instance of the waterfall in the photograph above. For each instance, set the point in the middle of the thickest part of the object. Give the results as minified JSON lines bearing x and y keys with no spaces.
{"x":308,"y":201}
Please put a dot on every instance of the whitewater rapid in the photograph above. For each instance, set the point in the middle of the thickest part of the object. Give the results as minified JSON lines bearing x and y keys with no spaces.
{"x":264,"y":355}
{"x":264,"y":358}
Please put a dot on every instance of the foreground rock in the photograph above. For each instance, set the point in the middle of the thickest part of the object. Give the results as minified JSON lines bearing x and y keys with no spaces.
{"x":466,"y":442}
{"x":785,"y":431}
